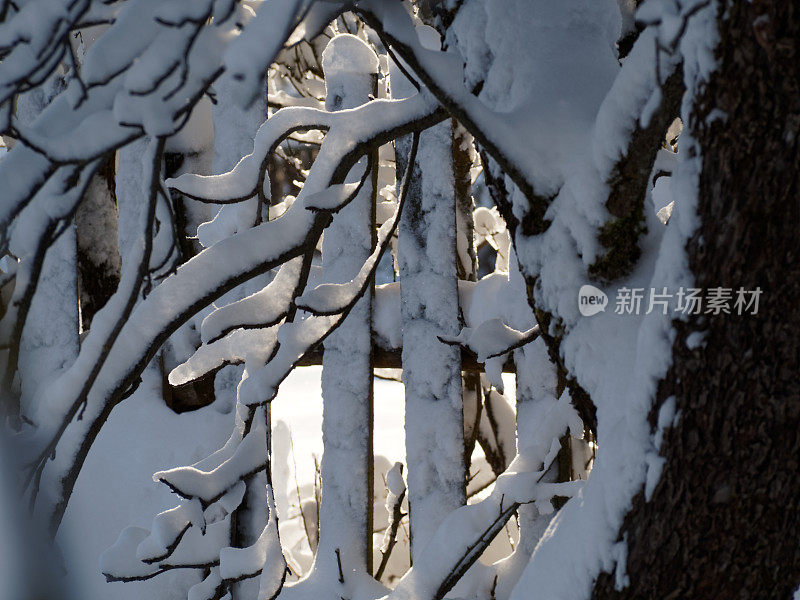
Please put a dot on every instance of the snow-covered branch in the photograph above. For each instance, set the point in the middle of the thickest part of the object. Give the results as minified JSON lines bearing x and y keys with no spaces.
{"x":466,"y":532}
{"x":143,"y":77}
{"x":492,"y":338}
{"x":42,"y":223}
{"x":631,"y":125}
{"x":297,"y":338}
{"x":354,"y":130}
{"x":443,"y":74}
{"x":203,"y":279}
{"x":51,"y":425}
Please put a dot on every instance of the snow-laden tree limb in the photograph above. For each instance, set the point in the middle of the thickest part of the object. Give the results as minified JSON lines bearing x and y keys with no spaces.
{"x":195,"y":550}
{"x":198,"y":533}
{"x":283,"y":347}
{"x":296,"y":339}
{"x":194,"y":286}
{"x":33,"y":41}
{"x":143,"y":76}
{"x":327,"y":299}
{"x":396,"y":493}
{"x":492,"y":338}
{"x":109,"y":325}
{"x":41,"y":223}
{"x":236,"y":348}
{"x":442,"y":74}
{"x":261,"y":310}
{"x":461,"y":537}
{"x":247,"y":58}
{"x":177,"y":51}
{"x":371,"y":124}
{"x":631,"y":125}
{"x":491,"y":341}
{"x":249,"y":457}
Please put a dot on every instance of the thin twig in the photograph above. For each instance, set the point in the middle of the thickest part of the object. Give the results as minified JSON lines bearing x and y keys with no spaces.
{"x":339,"y":563}
{"x":397,"y":517}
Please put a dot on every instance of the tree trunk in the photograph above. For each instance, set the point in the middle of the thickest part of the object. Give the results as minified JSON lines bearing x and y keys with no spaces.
{"x":722,"y":521}
{"x":98,"y":255}
{"x":49,"y":340}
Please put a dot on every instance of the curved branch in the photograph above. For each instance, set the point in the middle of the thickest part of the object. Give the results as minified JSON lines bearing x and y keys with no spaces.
{"x":124,"y":300}
{"x":203,"y":279}
{"x":491,"y":339}
{"x":69,"y":185}
{"x":364,"y":127}
{"x":438,"y":71}
{"x":628,"y":176}
{"x":301,"y":337}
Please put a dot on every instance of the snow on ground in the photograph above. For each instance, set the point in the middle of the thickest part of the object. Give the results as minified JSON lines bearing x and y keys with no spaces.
{"x":116,"y":489}
{"x":299,"y":405}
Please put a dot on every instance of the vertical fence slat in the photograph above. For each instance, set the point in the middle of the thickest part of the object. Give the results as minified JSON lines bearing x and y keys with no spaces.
{"x":233,"y":131}
{"x":345,"y":543}
{"x":429,"y":308}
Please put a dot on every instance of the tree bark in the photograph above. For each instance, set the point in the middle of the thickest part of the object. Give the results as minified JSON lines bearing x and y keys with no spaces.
{"x":49,"y":339}
{"x":98,"y":255}
{"x":722,"y":521}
